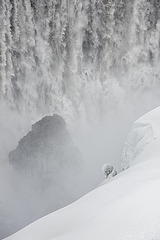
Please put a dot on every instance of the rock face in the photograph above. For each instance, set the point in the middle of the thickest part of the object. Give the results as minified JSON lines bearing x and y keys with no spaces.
{"x":48,"y":147}
{"x":49,"y":162}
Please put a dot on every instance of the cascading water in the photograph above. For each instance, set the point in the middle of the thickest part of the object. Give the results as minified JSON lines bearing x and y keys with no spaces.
{"x":87,"y":60}
{"x":77,"y":57}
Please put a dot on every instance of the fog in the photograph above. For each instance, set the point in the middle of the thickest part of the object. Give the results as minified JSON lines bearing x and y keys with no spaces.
{"x":100,"y":142}
{"x":96,"y":64}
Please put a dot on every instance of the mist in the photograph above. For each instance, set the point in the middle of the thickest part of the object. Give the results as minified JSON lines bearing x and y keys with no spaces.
{"x":102,"y":142}
{"x":99,"y":141}
{"x":94,"y":63}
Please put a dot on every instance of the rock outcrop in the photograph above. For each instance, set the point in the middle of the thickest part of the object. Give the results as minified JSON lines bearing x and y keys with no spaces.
{"x":50,"y":164}
{"x":48,"y":147}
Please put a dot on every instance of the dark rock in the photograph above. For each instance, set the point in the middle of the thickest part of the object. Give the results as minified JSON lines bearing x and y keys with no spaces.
{"x":48,"y":171}
{"x":47,"y":152}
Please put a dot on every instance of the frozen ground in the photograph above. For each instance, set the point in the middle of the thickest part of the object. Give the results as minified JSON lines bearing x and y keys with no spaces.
{"x":126,"y":208}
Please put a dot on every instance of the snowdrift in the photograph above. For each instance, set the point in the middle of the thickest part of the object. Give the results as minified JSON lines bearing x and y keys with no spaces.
{"x":143,"y":140}
{"x":126,"y":208}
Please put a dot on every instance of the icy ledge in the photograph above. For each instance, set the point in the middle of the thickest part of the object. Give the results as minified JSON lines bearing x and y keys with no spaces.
{"x":143,"y":141}
{"x":127,"y":208}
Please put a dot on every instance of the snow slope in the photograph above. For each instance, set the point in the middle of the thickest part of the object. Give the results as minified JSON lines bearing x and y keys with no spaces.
{"x":126,"y":208}
{"x":143,"y":140}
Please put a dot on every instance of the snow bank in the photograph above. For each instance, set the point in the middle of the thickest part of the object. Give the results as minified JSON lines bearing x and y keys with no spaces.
{"x":143,"y":140}
{"x":126,"y":208}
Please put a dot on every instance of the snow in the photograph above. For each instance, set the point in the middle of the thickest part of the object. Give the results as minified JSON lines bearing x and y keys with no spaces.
{"x":143,"y":140}
{"x":126,"y":208}
{"x":108,"y":171}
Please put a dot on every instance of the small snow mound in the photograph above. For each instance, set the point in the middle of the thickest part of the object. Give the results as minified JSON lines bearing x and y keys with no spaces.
{"x":108,"y":171}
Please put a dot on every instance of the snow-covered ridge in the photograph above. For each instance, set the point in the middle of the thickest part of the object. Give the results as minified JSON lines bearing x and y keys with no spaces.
{"x":127,"y":208}
{"x":144,"y":135}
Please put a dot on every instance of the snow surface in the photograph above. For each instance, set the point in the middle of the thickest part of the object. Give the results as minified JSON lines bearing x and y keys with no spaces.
{"x":126,"y":208}
{"x":143,"y":140}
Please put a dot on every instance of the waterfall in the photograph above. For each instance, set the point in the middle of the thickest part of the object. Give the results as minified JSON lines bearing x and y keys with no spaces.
{"x":77,"y":58}
{"x":94,"y":62}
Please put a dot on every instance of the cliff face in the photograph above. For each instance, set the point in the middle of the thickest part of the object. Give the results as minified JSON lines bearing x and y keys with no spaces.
{"x":47,"y":152}
{"x":48,"y":169}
